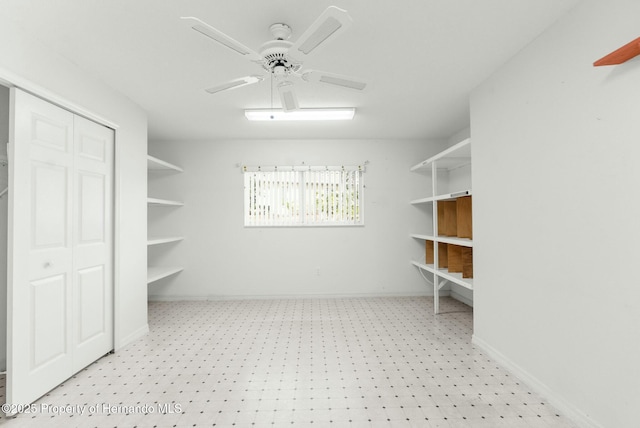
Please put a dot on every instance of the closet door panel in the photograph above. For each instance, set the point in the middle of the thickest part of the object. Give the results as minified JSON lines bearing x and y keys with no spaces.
{"x":91,"y":199}
{"x":91,"y":291}
{"x":60,"y":270}
{"x":93,"y":260}
{"x":50,"y":132}
{"x":50,"y":202}
{"x":48,"y":320}
{"x":40,"y":271}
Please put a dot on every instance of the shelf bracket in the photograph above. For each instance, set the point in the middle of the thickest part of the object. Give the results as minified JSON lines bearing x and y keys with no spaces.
{"x":424,"y":277}
{"x":442,"y":283}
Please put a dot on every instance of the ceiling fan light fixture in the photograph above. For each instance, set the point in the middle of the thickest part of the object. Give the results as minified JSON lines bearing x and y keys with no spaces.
{"x":301,"y":114}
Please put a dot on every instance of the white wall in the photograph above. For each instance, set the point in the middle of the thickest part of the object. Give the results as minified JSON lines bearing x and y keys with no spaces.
{"x":27,"y":63}
{"x":556,"y":146}
{"x":222,"y":259}
{"x":4,"y":137}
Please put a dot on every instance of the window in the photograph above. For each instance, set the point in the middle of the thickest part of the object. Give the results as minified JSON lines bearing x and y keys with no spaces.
{"x":303,"y":196}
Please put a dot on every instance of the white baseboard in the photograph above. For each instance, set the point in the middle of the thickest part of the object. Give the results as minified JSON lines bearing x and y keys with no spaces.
{"x":567,"y":409}
{"x":175,"y":298}
{"x":132,"y":337}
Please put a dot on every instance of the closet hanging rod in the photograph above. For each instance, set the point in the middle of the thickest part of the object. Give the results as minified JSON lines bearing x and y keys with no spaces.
{"x":4,"y":191}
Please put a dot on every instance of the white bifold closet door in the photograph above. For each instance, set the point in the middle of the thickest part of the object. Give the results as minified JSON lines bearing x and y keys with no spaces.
{"x":60,"y":289}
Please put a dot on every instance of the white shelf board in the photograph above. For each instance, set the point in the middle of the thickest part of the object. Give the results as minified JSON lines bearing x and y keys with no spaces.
{"x":155,"y":273}
{"x":423,"y":200}
{"x":445,"y":197}
{"x":453,"y":157}
{"x":164,"y":202}
{"x":463,"y":242}
{"x":456,"y":278}
{"x":445,"y":274}
{"x":428,"y":268}
{"x":423,"y":236}
{"x":163,"y":239}
{"x":155,"y":164}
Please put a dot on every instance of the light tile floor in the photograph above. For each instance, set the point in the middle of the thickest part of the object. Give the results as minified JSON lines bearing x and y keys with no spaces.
{"x":358,"y":362}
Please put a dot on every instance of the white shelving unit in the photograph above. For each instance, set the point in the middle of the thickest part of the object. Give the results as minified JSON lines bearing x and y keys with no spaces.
{"x":163,"y":240}
{"x":448,"y":246}
{"x":155,"y":164}
{"x":463,"y":242}
{"x":155,"y":273}
{"x":163,"y":202}
{"x":445,"y":274}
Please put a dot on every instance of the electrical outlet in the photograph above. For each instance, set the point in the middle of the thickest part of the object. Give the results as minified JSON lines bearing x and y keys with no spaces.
{"x":317,"y":271}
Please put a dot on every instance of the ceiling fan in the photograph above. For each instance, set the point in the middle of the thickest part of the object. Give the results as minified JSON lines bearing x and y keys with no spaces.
{"x":282,"y":59}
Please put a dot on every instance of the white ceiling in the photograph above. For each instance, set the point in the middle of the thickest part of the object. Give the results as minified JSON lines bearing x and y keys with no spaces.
{"x":423,"y":57}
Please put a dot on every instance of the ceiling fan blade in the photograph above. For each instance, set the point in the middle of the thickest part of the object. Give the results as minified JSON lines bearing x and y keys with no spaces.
{"x":217,"y":35}
{"x":288,"y":96}
{"x":330,"y":24}
{"x":335,"y":79}
{"x":235,"y":83}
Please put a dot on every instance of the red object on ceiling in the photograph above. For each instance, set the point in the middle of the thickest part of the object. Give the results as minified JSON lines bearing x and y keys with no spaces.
{"x":621,"y":55}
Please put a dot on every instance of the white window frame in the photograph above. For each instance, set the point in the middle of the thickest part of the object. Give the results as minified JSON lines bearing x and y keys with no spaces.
{"x":302,"y":197}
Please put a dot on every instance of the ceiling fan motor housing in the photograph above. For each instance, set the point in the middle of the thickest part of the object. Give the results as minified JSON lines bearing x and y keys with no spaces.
{"x":275,"y":52}
{"x":280,"y":31}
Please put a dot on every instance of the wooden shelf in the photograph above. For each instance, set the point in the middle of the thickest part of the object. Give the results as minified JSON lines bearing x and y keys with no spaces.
{"x":163,"y":240}
{"x":443,"y":273}
{"x":155,"y":164}
{"x":155,"y":273}
{"x":621,"y":55}
{"x":163,"y":202}
{"x":447,"y":218}
{"x":467,"y":262}
{"x":464,"y":218}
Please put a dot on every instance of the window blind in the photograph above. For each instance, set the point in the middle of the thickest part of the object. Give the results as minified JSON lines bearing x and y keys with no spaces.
{"x":303,"y":196}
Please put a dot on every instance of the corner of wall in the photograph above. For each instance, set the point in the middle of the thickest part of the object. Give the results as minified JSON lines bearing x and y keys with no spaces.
{"x":539,"y":387}
{"x":131,"y":337}
{"x":462,"y":134}
{"x":4,"y":137}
